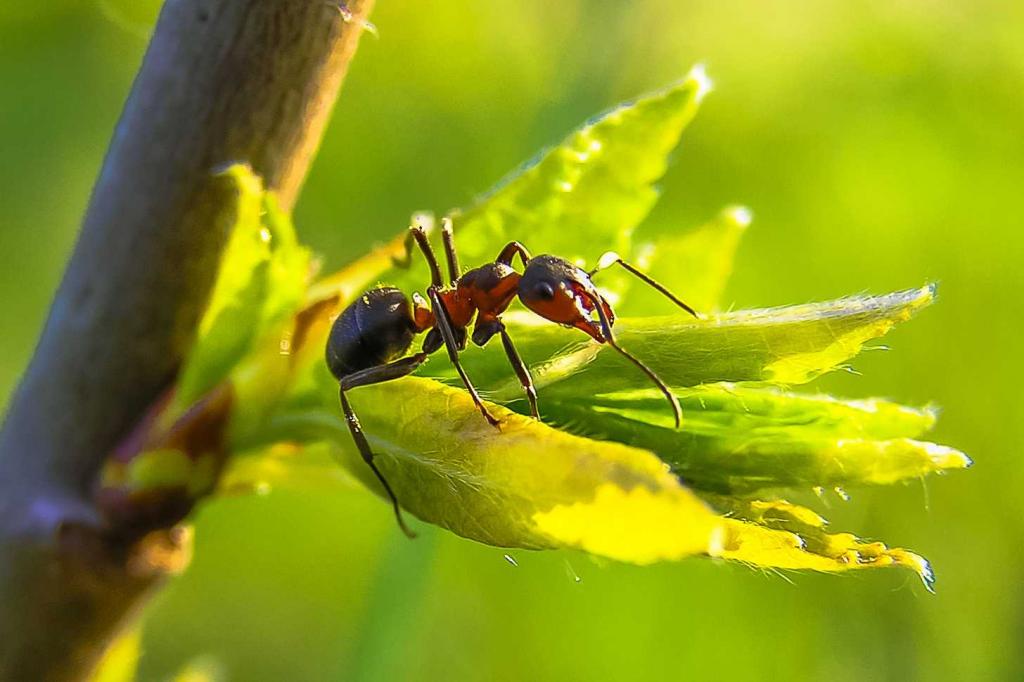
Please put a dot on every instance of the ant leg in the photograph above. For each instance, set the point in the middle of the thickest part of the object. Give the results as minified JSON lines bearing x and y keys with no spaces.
{"x":405,"y":260}
{"x":611,"y":258}
{"x":444,"y":324}
{"x":425,"y":222}
{"x":448,"y":237}
{"x":381,"y":373}
{"x":367,"y":453}
{"x":376,"y":375}
{"x":509,"y":252}
{"x":417,"y":234}
{"x":521,"y":371}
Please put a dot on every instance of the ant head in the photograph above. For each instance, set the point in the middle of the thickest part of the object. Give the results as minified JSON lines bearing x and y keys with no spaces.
{"x":560,"y":292}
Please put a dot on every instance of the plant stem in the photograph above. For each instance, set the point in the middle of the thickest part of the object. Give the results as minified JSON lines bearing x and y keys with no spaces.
{"x":222,"y":81}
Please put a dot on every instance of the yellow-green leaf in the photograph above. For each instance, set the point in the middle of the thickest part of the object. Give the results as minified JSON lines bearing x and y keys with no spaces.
{"x":527,"y":485}
{"x":777,"y":534}
{"x":586,"y":194}
{"x":741,"y":438}
{"x":231,"y":320}
{"x":121,"y":659}
{"x":597,"y":182}
{"x":261,"y":281}
{"x":534,"y":487}
{"x":613,"y":495}
{"x":787,"y":345}
{"x":695,"y":265}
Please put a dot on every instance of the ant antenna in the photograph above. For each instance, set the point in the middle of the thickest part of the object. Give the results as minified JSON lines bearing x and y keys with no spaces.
{"x":611,"y":258}
{"x":606,"y":327}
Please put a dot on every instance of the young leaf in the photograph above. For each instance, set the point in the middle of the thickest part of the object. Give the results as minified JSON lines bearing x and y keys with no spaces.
{"x":533,"y":486}
{"x":789,"y":345}
{"x":780,"y":534}
{"x":695,"y":265}
{"x":589,"y":192}
{"x":231,"y":321}
{"x":597,"y":182}
{"x":527,"y":485}
{"x":743,"y":439}
{"x":262,"y":280}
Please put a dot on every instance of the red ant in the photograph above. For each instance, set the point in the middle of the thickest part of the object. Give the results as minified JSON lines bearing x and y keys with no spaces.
{"x":369,"y":339}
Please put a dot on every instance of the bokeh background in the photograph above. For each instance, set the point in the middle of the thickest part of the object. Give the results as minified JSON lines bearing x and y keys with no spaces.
{"x":880,"y":144}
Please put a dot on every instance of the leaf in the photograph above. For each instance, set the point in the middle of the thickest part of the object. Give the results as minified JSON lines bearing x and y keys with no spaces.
{"x":534,"y":487}
{"x":229,"y":324}
{"x":788,"y":345}
{"x":120,"y":661}
{"x":261,"y":281}
{"x":611,"y":162}
{"x":741,"y":439}
{"x":721,"y":409}
{"x":528,"y":486}
{"x":597,"y":182}
{"x":588,"y":193}
{"x":695,"y":265}
{"x":778,"y":534}
{"x":289,"y":268}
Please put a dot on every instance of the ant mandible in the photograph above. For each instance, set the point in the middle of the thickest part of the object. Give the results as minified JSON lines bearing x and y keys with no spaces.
{"x":369,"y":340}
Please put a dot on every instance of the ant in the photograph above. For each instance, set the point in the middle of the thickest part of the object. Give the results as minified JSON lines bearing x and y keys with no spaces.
{"x":370,"y":338}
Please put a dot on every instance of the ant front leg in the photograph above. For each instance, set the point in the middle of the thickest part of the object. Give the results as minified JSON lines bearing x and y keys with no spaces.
{"x":443,"y":322}
{"x":609,"y":338}
{"x":366,"y":377}
{"x":483,"y":332}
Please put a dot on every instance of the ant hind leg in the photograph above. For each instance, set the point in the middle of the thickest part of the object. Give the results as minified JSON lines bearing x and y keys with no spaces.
{"x":448,"y":237}
{"x":376,"y":375}
{"x":417,"y":234}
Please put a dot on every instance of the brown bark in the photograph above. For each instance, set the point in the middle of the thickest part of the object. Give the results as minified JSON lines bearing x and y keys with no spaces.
{"x":222,"y":81}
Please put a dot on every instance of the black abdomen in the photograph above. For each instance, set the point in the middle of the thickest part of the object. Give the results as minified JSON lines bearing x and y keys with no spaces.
{"x":376,"y":328}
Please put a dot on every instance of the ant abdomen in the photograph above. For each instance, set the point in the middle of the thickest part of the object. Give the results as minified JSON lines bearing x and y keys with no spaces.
{"x":374,"y":329}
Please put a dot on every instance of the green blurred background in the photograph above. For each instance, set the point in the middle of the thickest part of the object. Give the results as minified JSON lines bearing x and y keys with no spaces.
{"x":879,"y":144}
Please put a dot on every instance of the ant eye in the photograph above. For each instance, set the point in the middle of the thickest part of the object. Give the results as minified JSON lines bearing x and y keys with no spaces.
{"x":544,"y":291}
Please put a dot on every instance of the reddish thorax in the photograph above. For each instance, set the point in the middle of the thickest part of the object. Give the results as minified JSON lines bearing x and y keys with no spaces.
{"x":487,"y":290}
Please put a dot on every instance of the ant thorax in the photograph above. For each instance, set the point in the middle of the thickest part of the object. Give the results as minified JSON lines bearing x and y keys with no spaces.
{"x":487,"y":290}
